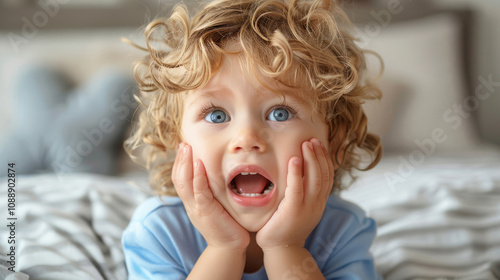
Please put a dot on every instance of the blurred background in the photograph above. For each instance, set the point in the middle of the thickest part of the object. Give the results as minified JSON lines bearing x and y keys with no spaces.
{"x":442,"y":71}
{"x":66,"y":106}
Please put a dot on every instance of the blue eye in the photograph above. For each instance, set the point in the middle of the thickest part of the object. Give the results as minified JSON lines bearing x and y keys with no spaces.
{"x":279,"y":114}
{"x":217,"y":116}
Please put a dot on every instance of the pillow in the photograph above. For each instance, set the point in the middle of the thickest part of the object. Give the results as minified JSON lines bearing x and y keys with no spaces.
{"x":424,"y":55}
{"x":57,"y":128}
{"x":78,"y":53}
{"x":380,"y":113}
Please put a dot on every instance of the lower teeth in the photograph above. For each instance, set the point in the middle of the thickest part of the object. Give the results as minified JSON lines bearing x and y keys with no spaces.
{"x":266,"y":191}
{"x":250,"y":194}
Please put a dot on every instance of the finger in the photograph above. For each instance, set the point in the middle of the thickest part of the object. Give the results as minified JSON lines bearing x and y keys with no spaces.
{"x":331,"y":171}
{"x":176,"y":162}
{"x":312,"y":172}
{"x":323,"y":165}
{"x":202,"y":194}
{"x":294,"y":191}
{"x":184,"y":184}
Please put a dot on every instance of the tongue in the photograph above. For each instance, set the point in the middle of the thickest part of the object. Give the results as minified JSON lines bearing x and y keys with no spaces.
{"x":250,"y":183}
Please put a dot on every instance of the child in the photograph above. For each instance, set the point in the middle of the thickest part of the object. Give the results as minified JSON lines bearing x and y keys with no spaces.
{"x":253,"y":118}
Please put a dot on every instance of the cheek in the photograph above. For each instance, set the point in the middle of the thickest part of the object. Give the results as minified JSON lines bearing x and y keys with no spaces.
{"x":285,"y":151}
{"x":290,"y":144}
{"x":211,"y":158}
{"x":201,"y":152}
{"x":199,"y":143}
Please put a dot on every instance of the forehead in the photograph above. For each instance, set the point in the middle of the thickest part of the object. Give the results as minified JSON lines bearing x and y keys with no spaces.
{"x":236,"y":73}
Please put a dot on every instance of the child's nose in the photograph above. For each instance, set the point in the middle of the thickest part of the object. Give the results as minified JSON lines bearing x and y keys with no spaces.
{"x":248,"y":139}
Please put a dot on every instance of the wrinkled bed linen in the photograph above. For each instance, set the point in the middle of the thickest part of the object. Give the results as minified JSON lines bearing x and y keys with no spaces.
{"x":69,"y":227}
{"x":441,"y":222}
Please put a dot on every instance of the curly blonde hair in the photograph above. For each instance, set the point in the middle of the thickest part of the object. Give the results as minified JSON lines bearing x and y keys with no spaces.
{"x":302,"y":44}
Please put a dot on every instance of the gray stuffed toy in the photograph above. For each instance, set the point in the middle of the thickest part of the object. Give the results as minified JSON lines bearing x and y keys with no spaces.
{"x":60,"y":129}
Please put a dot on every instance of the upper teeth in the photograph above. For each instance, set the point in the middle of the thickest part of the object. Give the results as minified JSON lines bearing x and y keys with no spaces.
{"x":248,"y":173}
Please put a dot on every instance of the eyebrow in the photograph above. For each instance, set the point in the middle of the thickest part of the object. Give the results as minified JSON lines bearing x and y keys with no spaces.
{"x":206,"y":93}
{"x":291,"y":96}
{"x":288,"y":92}
{"x":209,"y":93}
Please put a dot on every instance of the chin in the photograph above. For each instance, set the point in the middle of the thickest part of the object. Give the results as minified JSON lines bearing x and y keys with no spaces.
{"x":253,"y":228}
{"x":253,"y":225}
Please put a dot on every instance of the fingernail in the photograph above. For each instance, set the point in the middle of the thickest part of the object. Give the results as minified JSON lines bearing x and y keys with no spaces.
{"x":184,"y":149}
{"x":309,"y":144}
{"x":296,"y":161}
{"x":196,"y":164}
{"x":316,"y":142}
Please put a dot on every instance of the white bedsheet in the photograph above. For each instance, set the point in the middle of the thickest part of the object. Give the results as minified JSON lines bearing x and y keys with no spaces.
{"x":442,"y":221}
{"x":70,"y":227}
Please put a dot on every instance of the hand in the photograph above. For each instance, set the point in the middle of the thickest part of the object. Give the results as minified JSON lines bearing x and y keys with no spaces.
{"x":305,"y":199}
{"x":215,"y":224}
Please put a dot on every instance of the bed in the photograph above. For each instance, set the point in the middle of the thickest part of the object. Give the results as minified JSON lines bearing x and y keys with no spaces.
{"x":435,"y":195}
{"x":443,"y":222}
{"x":70,"y":227}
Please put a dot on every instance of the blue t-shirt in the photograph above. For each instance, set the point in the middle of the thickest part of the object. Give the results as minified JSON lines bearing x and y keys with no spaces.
{"x":161,"y":243}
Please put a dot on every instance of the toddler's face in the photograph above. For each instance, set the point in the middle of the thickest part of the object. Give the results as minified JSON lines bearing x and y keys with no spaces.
{"x":235,"y":125}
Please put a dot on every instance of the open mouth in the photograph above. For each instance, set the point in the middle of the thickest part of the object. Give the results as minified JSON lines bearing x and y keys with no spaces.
{"x":251,"y":184}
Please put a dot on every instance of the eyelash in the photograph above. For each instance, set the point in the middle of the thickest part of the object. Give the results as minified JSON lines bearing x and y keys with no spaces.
{"x":211,"y":107}
{"x":207,"y":109}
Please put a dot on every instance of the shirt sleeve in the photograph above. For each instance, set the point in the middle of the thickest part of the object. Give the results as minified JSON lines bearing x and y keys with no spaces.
{"x":351,"y":258}
{"x":146,"y":257}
